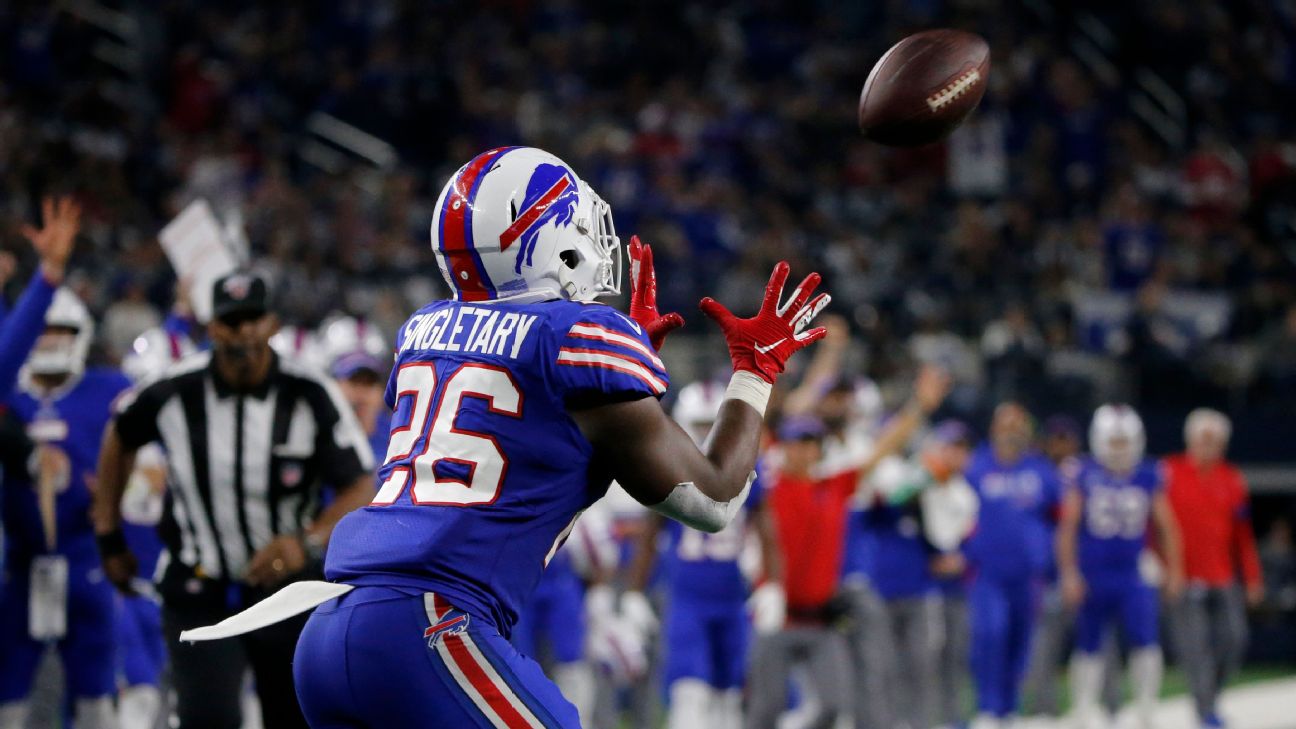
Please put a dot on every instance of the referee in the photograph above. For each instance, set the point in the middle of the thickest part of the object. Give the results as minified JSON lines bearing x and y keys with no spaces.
{"x":249,"y":438}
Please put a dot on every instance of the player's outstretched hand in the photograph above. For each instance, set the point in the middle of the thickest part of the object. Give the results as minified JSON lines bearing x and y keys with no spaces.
{"x":763,"y":343}
{"x":53,"y":243}
{"x":643,"y":295}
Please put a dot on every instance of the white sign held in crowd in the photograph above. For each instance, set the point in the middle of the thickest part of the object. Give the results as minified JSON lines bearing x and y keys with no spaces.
{"x":194,"y":243}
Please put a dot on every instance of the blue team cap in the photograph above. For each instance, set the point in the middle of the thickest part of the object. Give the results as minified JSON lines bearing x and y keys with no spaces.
{"x":348,"y":365}
{"x":801,"y":427}
{"x":951,"y":432}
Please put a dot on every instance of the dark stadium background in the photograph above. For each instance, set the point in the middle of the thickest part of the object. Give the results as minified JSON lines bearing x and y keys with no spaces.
{"x":1118,"y":220}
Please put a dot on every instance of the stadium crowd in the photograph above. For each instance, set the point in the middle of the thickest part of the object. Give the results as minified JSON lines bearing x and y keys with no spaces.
{"x":1055,"y":242}
{"x":1060,"y":251}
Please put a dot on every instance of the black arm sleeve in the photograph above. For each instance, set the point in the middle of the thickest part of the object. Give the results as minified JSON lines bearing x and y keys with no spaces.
{"x":136,"y":420}
{"x":15,"y":446}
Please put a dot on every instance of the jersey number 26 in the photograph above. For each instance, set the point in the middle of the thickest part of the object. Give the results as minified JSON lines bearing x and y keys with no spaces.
{"x":478,"y":453}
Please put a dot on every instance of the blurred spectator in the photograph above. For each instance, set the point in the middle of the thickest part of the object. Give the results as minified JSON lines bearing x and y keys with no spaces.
{"x":127,"y":317}
{"x":1061,"y":439}
{"x":328,"y":136}
{"x":1278,"y":560}
{"x":1014,"y":354}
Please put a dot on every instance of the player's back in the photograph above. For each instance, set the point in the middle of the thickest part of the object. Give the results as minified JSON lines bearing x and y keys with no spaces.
{"x":1116,"y":512}
{"x":485,"y":470}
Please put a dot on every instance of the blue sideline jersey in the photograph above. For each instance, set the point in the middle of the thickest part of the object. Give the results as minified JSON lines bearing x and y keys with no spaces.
{"x":899,"y":568}
{"x":1019,"y":502}
{"x":485,"y":470}
{"x":701,"y":566}
{"x":73,"y":421}
{"x":1115,"y":515}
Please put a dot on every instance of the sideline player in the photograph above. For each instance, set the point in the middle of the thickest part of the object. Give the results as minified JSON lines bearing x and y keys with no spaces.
{"x":1100,"y":542}
{"x":705,"y":624}
{"x":809,"y":512}
{"x":141,"y":649}
{"x":516,"y":403}
{"x":569,"y":611}
{"x":355,"y":351}
{"x":1010,"y":554}
{"x":55,"y":590}
{"x":922,"y":510}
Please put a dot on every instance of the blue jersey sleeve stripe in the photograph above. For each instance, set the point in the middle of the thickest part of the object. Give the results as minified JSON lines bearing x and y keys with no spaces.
{"x":586,"y":330}
{"x":624,"y":364}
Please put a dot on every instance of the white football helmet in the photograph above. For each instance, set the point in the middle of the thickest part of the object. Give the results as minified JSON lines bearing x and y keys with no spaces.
{"x":517,"y":222}
{"x":1116,"y":437}
{"x":154,"y":351}
{"x":342,"y":334}
{"x":697,"y":407}
{"x":68,"y":357}
{"x":299,"y":344}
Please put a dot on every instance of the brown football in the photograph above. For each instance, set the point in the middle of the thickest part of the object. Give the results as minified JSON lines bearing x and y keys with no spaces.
{"x":924,"y":87}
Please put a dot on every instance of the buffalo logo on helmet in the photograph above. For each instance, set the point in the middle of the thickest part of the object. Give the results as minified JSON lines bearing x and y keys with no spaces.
{"x":551,"y":196}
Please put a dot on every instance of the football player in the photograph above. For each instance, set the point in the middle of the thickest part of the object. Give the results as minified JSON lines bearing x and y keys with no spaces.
{"x":55,"y":589}
{"x":357,"y":358}
{"x":921,"y":511}
{"x":1010,"y":554}
{"x":141,"y":650}
{"x":1100,"y":545}
{"x":515,"y":404}
{"x":705,"y":624}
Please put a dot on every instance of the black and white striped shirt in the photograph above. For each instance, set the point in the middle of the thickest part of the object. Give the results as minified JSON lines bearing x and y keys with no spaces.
{"x":243,"y":467}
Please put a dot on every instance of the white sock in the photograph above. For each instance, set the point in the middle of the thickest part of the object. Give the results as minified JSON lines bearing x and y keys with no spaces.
{"x":1086,"y":687}
{"x":138,"y":706}
{"x":726,"y":709}
{"x":690,"y":704}
{"x":985,"y":721}
{"x":13,"y":715}
{"x":96,"y":713}
{"x":1146,"y":667}
{"x":576,"y":681}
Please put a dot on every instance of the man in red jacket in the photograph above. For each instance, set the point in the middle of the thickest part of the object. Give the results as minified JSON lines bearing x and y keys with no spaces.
{"x":1210,"y":501}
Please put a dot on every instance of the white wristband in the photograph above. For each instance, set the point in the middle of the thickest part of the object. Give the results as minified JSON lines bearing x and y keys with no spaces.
{"x":750,"y":388}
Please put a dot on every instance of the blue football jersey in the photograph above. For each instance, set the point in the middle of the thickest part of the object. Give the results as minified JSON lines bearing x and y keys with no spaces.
{"x":485,"y":470}
{"x":1019,"y":502}
{"x":706,"y":566}
{"x":74,"y":421}
{"x":1115,"y":515}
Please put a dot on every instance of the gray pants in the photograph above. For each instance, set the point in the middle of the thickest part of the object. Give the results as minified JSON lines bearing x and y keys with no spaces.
{"x":953,"y":663}
{"x":897,"y":644}
{"x":871,"y":657}
{"x":1210,"y":635}
{"x":913,"y":679}
{"x":826,"y":658}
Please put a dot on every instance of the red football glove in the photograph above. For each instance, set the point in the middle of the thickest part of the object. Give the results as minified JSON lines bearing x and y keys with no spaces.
{"x":763,"y":343}
{"x":643,"y":295}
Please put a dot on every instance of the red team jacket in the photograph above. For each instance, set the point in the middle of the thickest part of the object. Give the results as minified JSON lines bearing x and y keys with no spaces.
{"x":810,"y":520}
{"x":1214,"y":515}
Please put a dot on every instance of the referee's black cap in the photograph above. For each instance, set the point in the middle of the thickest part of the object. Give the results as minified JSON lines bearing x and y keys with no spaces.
{"x":240,"y":292}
